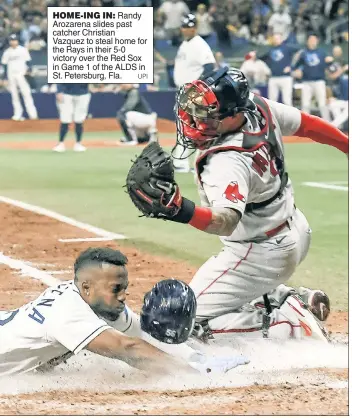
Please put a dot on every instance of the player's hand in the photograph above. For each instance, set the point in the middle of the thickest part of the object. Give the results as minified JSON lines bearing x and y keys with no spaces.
{"x":287,"y":69}
{"x":59,"y":97}
{"x":218,"y":365}
{"x":297,"y":73}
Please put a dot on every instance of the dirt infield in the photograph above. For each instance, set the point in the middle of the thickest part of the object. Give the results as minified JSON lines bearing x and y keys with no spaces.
{"x":34,"y":239}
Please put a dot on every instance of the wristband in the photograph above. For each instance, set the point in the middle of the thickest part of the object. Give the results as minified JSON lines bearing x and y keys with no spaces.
{"x":196,"y":216}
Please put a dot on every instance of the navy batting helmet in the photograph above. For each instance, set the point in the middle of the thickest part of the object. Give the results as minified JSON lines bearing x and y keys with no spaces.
{"x":169,"y":311}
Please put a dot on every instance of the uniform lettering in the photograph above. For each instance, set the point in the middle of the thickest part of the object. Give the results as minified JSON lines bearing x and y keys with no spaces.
{"x":261,"y":164}
{"x":37,"y":316}
{"x":9,"y":318}
{"x":46,"y":302}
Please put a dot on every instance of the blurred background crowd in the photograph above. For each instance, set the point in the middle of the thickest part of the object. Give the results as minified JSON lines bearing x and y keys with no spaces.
{"x":234,"y":29}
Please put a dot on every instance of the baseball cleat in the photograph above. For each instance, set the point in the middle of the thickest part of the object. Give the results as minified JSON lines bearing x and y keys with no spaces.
{"x":60,"y":147}
{"x":310,"y":326}
{"x":79,"y":147}
{"x":318,"y":302}
{"x":18,"y":119}
{"x":125,"y":142}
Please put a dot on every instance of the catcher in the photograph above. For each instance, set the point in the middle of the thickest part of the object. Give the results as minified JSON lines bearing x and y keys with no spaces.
{"x":247,"y":200}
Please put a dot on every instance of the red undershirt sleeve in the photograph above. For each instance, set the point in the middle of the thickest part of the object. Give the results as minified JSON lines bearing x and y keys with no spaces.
{"x":323,"y":132}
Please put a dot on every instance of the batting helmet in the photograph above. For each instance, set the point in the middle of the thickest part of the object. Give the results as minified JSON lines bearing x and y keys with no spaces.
{"x":13,"y":37}
{"x":202,"y":104}
{"x":169,"y":311}
{"x":189,"y":21}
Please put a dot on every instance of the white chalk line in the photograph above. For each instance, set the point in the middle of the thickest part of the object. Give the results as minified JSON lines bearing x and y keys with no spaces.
{"x":95,"y":239}
{"x":330,"y":186}
{"x":102,"y":233}
{"x":29,"y":271}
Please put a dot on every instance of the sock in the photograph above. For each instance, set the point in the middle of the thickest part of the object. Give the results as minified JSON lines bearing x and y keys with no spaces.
{"x":63,"y":131}
{"x":79,"y":131}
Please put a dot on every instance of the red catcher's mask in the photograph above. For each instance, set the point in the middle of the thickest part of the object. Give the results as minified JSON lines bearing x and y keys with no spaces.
{"x":197,"y":113}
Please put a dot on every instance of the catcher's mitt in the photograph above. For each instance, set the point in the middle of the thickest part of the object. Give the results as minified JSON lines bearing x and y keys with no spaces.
{"x":151,"y":185}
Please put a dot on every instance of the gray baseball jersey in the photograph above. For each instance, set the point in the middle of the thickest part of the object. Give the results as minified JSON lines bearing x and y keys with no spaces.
{"x":232,"y":179}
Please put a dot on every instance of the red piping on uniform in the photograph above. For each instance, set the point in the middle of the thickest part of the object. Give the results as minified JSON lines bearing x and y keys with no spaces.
{"x":295,"y":309}
{"x":237,"y":264}
{"x":229,"y":148}
{"x":236,"y":330}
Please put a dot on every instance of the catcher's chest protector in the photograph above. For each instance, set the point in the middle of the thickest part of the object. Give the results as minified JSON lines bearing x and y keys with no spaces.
{"x":249,"y":142}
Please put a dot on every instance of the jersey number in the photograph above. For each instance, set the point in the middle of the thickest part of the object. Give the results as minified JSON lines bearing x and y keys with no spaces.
{"x":8,"y":319}
{"x":261,"y":164}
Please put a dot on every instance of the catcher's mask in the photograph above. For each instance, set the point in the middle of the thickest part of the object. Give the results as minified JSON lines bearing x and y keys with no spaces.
{"x":202,"y":105}
{"x":169,"y":311}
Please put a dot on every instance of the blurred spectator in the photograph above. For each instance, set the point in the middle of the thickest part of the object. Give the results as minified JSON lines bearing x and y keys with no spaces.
{"x":220,"y":22}
{"x":262,"y":8}
{"x":256,"y":71}
{"x":204,"y":22}
{"x":159,"y":29}
{"x":342,"y":29}
{"x":310,"y":66}
{"x":220,"y":61}
{"x":237,"y":29}
{"x":338,"y":105}
{"x":256,"y":32}
{"x":279,"y":60}
{"x":17,"y":29}
{"x":301,"y":25}
{"x":336,"y":69}
{"x":4,"y":20}
{"x":3,"y":39}
{"x":15,"y":13}
{"x":173,"y":10}
{"x":280,"y":22}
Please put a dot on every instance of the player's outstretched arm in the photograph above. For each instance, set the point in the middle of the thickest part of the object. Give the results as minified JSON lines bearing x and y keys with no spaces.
{"x":294,"y":122}
{"x":322,"y":131}
{"x":135,"y":352}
